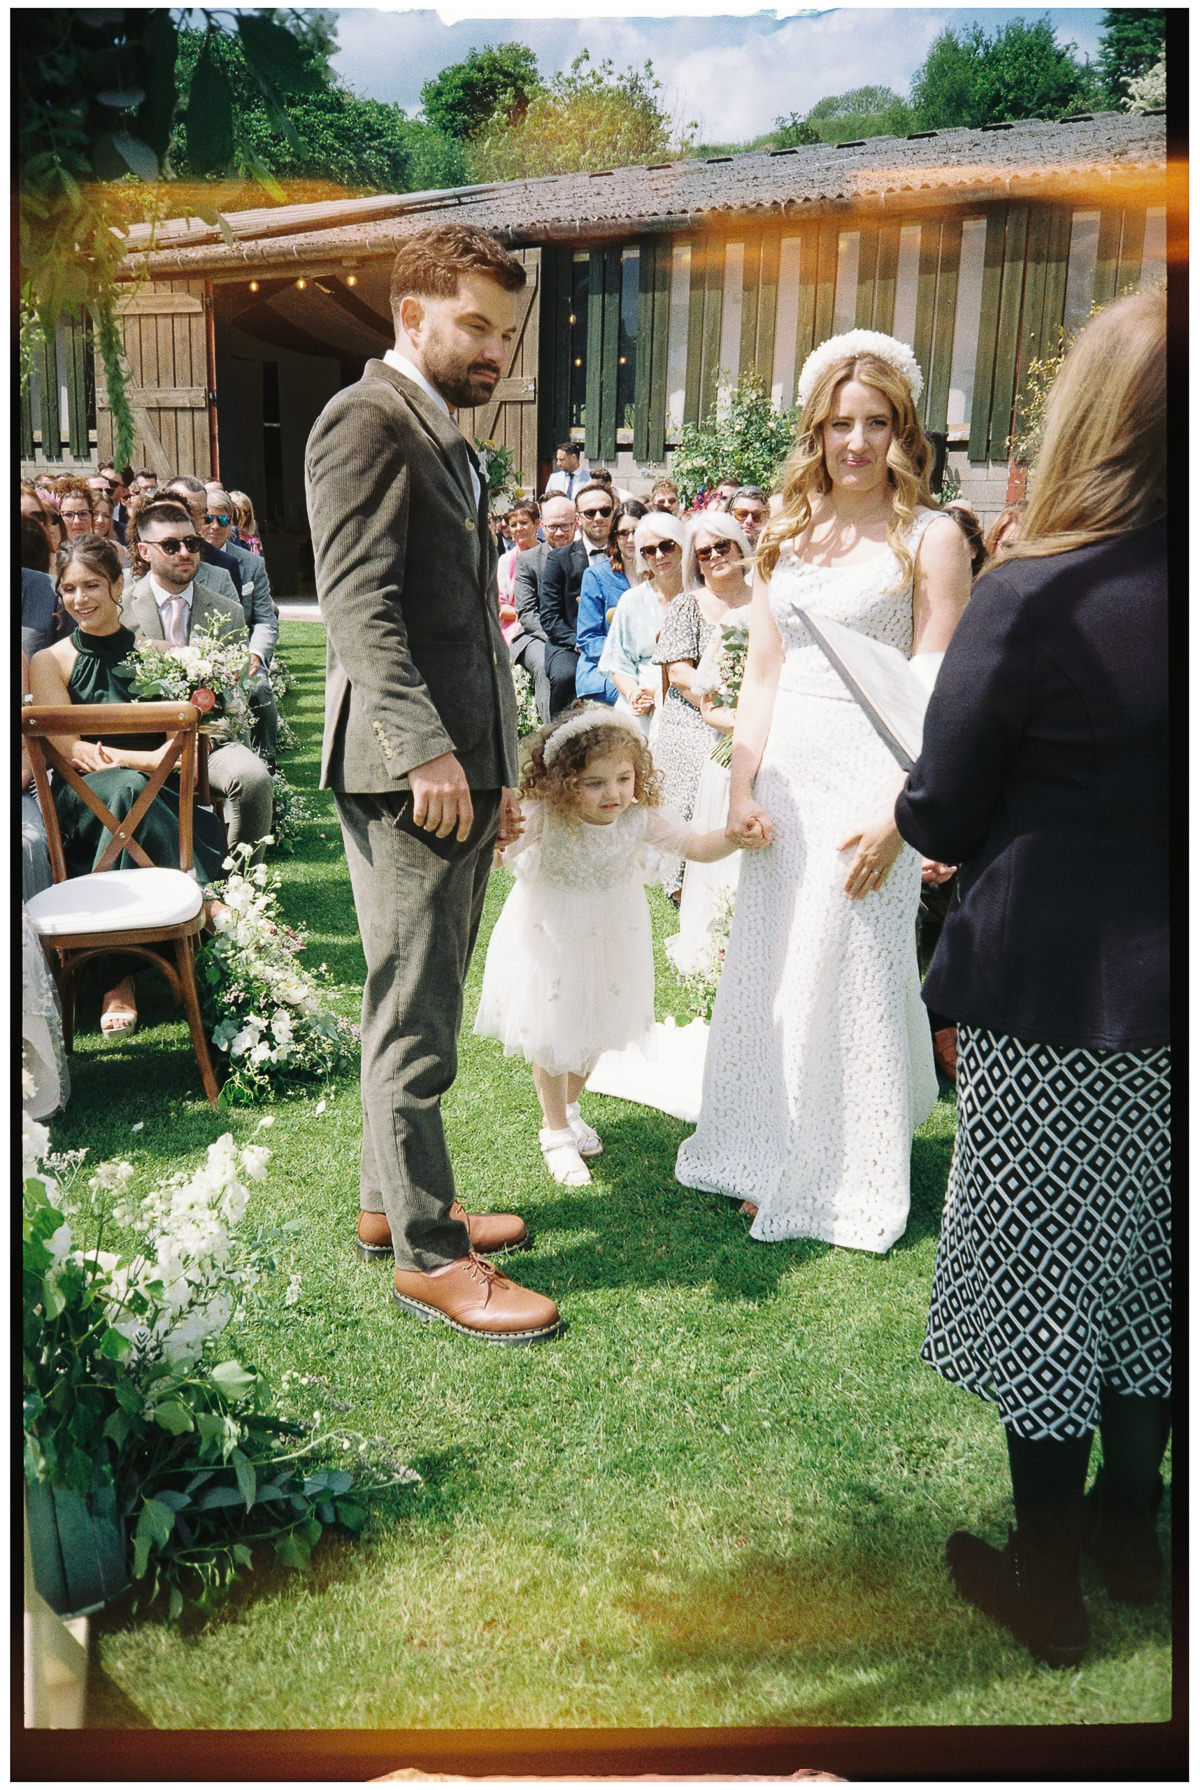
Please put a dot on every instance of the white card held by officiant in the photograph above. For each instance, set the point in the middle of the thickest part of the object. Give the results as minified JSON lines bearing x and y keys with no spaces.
{"x":892,"y":691}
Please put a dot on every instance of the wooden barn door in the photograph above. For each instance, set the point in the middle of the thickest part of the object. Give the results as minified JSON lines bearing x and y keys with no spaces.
{"x":509,"y":418}
{"x":164,"y":328}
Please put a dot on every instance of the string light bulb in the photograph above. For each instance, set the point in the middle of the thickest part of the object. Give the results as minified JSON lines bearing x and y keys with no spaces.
{"x":352,"y":279}
{"x":301,"y":285}
{"x":254,"y":285}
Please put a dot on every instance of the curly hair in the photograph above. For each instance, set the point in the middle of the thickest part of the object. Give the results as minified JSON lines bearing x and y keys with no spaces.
{"x":909,"y":458}
{"x":555,"y":784}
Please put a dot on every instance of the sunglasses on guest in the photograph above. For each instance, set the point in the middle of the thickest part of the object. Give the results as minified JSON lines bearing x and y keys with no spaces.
{"x":600,"y":510}
{"x":626,"y":534}
{"x":171,"y":544}
{"x":718,"y":550}
{"x":747,"y":515}
{"x":665,"y":548}
{"x":222,"y":518}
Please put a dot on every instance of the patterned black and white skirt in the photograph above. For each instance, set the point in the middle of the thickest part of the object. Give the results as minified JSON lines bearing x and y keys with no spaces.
{"x":1054,"y":1265}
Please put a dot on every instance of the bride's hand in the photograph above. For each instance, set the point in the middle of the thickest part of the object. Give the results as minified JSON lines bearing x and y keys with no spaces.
{"x":876,"y":849}
{"x":748,"y":825}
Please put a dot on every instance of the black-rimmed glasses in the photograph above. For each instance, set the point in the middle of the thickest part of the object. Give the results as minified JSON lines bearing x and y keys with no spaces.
{"x":718,"y":550}
{"x":172,"y":545}
{"x":665,"y":548}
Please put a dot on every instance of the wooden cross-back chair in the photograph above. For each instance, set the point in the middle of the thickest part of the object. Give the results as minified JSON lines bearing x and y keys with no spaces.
{"x":130,"y":911}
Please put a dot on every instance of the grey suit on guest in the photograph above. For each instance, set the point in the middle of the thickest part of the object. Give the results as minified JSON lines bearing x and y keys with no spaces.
{"x":529,"y":647}
{"x":416,"y":667}
{"x":237,"y":776}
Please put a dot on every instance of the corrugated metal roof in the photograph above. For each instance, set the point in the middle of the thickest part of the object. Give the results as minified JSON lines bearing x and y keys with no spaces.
{"x":1076,"y":156}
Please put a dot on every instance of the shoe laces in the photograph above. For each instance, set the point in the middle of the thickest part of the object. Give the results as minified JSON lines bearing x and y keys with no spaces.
{"x":483,"y":1270}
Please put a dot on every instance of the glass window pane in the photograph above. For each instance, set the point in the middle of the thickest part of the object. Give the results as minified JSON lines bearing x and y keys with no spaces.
{"x":845,"y":292}
{"x":966,"y":328}
{"x":577,"y":326}
{"x":1081,"y":268}
{"x":627,"y":336}
{"x":677,"y":335}
{"x":908,"y":266}
{"x":1154,"y":249}
{"x":787,"y":320}
{"x":731,"y":310}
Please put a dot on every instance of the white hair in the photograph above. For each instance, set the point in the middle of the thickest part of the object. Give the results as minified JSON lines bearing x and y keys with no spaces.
{"x":657,"y":523}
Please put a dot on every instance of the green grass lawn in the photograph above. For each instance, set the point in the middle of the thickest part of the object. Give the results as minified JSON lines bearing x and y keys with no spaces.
{"x":720,"y":1500}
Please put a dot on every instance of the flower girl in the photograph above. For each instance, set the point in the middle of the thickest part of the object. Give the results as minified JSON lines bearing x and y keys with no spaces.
{"x":570,"y":966}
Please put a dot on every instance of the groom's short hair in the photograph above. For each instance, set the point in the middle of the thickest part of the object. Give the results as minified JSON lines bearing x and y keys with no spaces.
{"x":431,"y":263}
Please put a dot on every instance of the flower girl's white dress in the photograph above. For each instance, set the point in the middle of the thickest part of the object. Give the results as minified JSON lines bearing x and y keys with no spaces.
{"x":820,"y":1065}
{"x":570,"y":964}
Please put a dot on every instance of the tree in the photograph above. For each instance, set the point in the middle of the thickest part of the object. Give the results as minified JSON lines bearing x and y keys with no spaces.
{"x":588,"y":118}
{"x":497,"y":82}
{"x":337,"y":142}
{"x":794,"y":132}
{"x":96,"y":103}
{"x":1019,"y":71}
{"x":1131,"y":42}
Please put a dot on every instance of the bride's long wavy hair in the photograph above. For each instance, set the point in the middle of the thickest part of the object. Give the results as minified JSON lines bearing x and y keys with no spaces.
{"x":805,"y":472}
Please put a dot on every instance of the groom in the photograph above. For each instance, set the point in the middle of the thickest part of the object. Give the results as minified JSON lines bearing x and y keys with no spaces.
{"x":419,"y":749}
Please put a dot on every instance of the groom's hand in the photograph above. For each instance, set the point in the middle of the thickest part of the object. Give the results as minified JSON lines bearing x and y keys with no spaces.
{"x":441,"y":800}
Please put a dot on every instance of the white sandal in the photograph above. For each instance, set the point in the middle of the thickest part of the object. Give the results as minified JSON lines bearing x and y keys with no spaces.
{"x":587,"y":1141}
{"x":561,"y":1155}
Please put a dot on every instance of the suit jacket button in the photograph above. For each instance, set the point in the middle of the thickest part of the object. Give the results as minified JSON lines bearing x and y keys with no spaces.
{"x":468,"y":525}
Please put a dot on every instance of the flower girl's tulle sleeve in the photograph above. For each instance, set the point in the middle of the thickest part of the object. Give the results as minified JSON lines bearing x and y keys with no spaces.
{"x":664,"y":843}
{"x":524,"y":856}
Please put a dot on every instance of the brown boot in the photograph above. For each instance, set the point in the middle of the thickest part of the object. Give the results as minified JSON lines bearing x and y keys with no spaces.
{"x":491,"y":1233}
{"x":475,"y":1299}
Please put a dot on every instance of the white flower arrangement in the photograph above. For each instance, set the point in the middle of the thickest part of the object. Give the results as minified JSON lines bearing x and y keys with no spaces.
{"x":209,"y":671}
{"x":860,"y":341}
{"x":267,"y":1015}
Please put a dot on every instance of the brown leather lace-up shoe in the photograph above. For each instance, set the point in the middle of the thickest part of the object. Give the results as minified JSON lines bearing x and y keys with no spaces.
{"x":491,"y":1233}
{"x":475,"y":1299}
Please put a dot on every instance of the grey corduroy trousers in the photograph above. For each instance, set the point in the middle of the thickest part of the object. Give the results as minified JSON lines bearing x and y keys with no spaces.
{"x":419,"y":900}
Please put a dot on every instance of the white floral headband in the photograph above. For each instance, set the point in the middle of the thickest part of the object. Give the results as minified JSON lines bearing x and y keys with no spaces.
{"x":585,"y":722}
{"x":856,"y":342}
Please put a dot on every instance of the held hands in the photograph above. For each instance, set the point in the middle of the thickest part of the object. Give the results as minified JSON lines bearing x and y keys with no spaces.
{"x":441,"y":799}
{"x":748,"y":825}
{"x":512,"y":825}
{"x":642,"y":701}
{"x":876,"y":849}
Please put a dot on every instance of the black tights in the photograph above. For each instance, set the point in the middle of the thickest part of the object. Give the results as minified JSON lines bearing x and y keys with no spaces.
{"x":1048,"y":1477}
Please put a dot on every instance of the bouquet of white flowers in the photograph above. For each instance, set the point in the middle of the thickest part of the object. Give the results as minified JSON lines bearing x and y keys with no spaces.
{"x":528,"y":719}
{"x":210,"y":672}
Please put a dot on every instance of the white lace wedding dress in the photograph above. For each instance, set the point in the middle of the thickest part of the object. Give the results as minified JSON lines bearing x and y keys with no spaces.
{"x":819,"y":1065}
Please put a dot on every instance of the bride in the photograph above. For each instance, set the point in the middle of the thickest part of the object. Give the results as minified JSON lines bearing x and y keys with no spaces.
{"x":820,"y":1066}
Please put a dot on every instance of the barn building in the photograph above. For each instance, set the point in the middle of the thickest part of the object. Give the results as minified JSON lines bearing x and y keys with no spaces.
{"x":648,"y":287}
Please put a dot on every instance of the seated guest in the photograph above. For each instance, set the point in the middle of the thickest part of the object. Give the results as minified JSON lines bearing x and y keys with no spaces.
{"x":36,"y":873}
{"x":83,"y":669}
{"x":191,"y":490}
{"x":75,"y":499}
{"x":165,"y":599}
{"x":102,"y":522}
{"x":144,"y":481}
{"x":602,"y":476}
{"x":655,"y":582}
{"x":749,"y":509}
{"x":664,"y":495}
{"x":521,"y":527}
{"x":259,"y":611}
{"x":40,"y":615}
{"x":604,"y":584}
{"x":969,"y":522}
{"x":1004,"y":530}
{"x":561,"y":582}
{"x":529,"y":646}
{"x":247,"y":526}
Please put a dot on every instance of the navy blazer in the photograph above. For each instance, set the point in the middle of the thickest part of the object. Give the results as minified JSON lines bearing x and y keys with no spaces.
{"x":558,"y":599}
{"x":1043,"y":774}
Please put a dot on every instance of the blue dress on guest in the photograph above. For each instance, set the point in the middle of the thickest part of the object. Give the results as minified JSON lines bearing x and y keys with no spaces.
{"x":601,"y":590}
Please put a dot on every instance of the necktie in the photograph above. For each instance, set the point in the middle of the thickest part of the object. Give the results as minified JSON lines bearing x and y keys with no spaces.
{"x":176,"y":621}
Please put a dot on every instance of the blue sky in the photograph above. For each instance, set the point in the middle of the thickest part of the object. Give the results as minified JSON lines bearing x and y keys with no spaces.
{"x":733,"y":74}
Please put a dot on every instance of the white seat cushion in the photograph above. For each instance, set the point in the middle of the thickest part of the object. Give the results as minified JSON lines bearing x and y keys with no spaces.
{"x":116,"y":901}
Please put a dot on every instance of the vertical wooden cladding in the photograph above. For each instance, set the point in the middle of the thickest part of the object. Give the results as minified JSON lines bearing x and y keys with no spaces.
{"x":604,"y":312}
{"x":650,"y":387}
{"x":704,"y":326}
{"x":509,"y":418}
{"x":163,"y":332}
{"x":554,"y":356}
{"x":937,"y":386}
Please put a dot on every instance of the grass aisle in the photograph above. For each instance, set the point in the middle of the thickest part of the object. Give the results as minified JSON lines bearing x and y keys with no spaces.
{"x":720,"y":1500}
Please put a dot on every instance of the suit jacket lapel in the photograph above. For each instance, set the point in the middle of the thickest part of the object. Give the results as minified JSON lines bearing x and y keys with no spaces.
{"x":449,"y":438}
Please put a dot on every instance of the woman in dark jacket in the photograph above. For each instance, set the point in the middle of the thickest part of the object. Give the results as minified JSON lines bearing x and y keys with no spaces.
{"x":1043,"y":775}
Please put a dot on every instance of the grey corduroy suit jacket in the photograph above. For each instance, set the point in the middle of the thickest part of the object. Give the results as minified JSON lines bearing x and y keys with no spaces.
{"x":416,"y":664}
